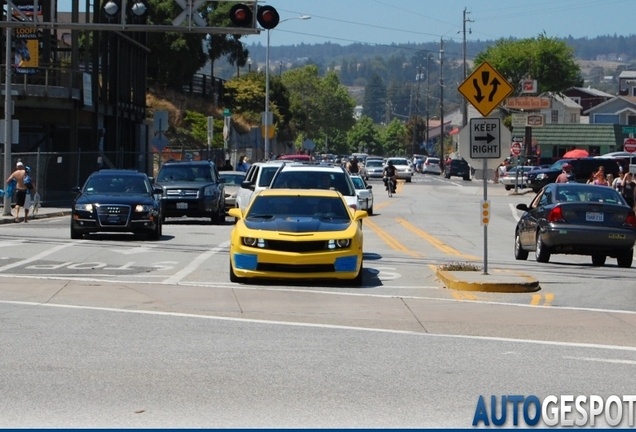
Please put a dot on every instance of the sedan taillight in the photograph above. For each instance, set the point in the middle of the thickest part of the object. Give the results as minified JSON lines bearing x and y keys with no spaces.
{"x":556,"y":215}
{"x":631,"y":219}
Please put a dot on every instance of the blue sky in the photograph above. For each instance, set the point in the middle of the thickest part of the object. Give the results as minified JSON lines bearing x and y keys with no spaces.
{"x":401,"y":21}
{"x":418,"y":21}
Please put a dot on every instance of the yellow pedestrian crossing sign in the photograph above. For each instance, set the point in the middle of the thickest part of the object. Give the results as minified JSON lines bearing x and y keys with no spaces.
{"x":485,"y":88}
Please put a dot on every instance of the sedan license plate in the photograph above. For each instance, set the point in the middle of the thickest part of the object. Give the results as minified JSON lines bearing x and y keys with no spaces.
{"x":182,"y":205}
{"x":113,"y":219}
{"x":594,"y":217}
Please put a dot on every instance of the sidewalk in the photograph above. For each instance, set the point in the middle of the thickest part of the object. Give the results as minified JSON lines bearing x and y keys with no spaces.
{"x":42,"y":213}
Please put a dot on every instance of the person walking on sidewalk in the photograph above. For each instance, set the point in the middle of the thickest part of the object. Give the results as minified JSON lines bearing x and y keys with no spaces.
{"x":20,"y":191}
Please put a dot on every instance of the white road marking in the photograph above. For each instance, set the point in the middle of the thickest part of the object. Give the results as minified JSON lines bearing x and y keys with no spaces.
{"x":10,"y":243}
{"x":39,"y":256}
{"x":328,"y":326}
{"x":617,"y":361}
{"x":515,"y":213}
{"x":135,"y":250}
{"x":192,"y":266}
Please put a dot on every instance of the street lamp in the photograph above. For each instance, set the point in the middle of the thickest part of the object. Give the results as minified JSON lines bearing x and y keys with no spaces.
{"x":267,"y":121}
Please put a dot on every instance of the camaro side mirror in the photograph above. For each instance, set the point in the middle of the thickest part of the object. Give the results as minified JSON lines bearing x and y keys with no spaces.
{"x":523,"y":207}
{"x":76,"y":189}
{"x":235,"y":212}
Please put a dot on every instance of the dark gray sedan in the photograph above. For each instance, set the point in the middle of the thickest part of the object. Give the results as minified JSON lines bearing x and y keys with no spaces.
{"x":577,"y":219}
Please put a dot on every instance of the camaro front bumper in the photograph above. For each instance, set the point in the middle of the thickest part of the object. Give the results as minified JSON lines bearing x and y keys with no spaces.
{"x":251,"y":262}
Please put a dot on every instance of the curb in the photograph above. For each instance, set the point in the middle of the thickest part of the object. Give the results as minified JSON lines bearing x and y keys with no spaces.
{"x":524,"y":284}
{"x":9,"y":220}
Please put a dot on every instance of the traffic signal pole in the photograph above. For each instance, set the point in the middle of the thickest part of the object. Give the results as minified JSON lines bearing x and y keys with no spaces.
{"x":7,"y":114}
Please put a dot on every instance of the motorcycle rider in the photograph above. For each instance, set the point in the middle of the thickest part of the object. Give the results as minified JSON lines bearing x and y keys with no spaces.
{"x":389,"y":172}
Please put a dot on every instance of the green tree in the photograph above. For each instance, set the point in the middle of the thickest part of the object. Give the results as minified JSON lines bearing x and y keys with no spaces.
{"x":548,"y":60}
{"x":374,"y":98}
{"x":174,"y":57}
{"x":246,"y":95}
{"x":395,"y":138}
{"x":362,"y":135}
{"x":320,"y":107}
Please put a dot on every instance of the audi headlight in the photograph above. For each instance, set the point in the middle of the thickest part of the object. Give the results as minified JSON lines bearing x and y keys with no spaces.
{"x":84,"y":207}
{"x":139,"y":208}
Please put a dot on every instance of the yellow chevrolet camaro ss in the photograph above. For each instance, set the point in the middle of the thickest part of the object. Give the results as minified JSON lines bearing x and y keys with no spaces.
{"x":297,"y":234}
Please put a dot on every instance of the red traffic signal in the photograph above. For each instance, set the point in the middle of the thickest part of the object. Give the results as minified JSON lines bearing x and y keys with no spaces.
{"x":241,"y":15}
{"x":267,"y":17}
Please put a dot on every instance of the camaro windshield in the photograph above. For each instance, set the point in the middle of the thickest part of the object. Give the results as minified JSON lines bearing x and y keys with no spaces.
{"x":271,"y":207}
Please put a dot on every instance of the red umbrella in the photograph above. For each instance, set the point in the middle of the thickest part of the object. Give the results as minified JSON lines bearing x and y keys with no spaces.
{"x":576,"y":153}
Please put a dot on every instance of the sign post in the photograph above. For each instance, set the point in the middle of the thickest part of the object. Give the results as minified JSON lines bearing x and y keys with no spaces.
{"x":485,"y":89}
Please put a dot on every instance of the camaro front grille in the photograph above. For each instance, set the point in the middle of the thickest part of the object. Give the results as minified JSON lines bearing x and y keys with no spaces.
{"x":291,"y":268}
{"x":291,"y":246}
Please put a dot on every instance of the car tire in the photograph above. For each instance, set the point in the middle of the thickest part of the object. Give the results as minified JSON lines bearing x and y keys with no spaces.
{"x":233,"y":277}
{"x":598,"y":260}
{"x":520,"y":253}
{"x":156,"y":234}
{"x":508,"y":187}
{"x":219,"y":217}
{"x":541,"y":252}
{"x":624,"y":260}
{"x":466,"y":178}
{"x":409,"y":179}
{"x":75,"y":234}
{"x":356,"y":281}
{"x":370,"y":211}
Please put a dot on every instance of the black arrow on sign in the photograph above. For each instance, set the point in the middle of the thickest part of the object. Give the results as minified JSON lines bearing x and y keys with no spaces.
{"x":488,"y":138}
{"x":495,"y":85}
{"x":478,"y":96}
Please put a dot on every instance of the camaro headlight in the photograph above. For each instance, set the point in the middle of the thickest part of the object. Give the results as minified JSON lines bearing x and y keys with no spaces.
{"x":139,"y":208}
{"x":84,"y":207}
{"x":340,"y":244}
{"x":254,"y":242}
{"x":541,"y":176}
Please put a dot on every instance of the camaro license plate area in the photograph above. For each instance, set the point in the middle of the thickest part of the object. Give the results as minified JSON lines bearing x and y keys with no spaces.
{"x":594,"y":217}
{"x":182,"y":206}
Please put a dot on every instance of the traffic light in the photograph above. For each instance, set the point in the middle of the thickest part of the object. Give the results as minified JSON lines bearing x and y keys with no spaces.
{"x":485,"y":212}
{"x":111,"y":10}
{"x":267,"y":17}
{"x":138,"y":11}
{"x":241,"y":15}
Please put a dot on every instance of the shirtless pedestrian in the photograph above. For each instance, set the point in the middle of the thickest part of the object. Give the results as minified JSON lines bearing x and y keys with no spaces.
{"x":20,"y":191}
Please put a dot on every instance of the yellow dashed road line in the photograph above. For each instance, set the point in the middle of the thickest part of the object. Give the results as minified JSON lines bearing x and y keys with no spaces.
{"x":388,"y":239}
{"x":536,"y":299}
{"x":434,"y":241}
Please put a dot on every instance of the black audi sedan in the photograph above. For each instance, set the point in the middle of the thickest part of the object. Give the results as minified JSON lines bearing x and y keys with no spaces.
{"x":577,"y":219}
{"x":116,"y":201}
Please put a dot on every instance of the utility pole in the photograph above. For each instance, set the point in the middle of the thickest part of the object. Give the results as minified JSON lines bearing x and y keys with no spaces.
{"x":416,"y":125}
{"x":441,"y":98}
{"x":428,"y":75}
{"x":464,"y":102}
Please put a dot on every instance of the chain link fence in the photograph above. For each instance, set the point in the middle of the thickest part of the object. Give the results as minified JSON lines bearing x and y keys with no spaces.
{"x":55,"y":173}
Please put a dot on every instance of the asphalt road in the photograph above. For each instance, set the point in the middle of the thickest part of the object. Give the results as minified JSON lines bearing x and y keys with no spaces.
{"x":116,"y":331}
